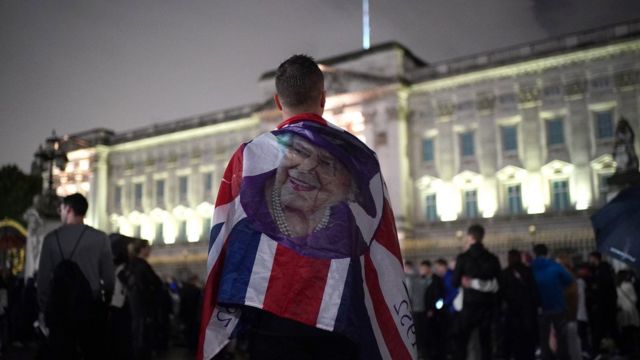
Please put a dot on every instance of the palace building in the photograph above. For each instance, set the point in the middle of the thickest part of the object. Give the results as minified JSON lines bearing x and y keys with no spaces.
{"x":518,"y":139}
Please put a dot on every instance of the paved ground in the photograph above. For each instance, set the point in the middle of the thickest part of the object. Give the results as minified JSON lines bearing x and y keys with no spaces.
{"x":29,"y":352}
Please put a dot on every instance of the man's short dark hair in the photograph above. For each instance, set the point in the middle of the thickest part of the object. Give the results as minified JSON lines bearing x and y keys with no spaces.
{"x":299,"y":82}
{"x":425,"y":263}
{"x":540,"y":250}
{"x":476,"y":231}
{"x":596,"y":254}
{"x":139,"y":245}
{"x":442,"y":262}
{"x":77,"y":202}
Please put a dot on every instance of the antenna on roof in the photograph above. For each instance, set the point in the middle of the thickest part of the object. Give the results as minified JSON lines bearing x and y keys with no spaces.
{"x":366,"y":29}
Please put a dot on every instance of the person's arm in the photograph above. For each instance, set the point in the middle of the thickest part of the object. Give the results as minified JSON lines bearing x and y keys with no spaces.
{"x":566,"y":278}
{"x":45,"y":270}
{"x":107,"y":270}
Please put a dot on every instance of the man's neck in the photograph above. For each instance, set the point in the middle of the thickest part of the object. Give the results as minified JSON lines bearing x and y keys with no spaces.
{"x":287,"y":114}
{"x":75,"y":221}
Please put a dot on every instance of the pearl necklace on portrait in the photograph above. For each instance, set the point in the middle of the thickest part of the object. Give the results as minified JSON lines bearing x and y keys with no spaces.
{"x":281,"y":220}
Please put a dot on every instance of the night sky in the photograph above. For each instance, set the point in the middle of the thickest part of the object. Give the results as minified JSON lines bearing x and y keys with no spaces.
{"x":77,"y":65}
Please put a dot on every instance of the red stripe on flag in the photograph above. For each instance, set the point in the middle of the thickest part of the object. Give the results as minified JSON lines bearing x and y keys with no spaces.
{"x":296,"y":286}
{"x":386,"y":234}
{"x":232,"y":178}
{"x":210,"y":299}
{"x":387,"y":325}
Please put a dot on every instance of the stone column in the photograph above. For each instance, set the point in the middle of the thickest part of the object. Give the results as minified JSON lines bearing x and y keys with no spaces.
{"x":99,"y":189}
{"x":487,"y":154}
{"x":578,"y":142}
{"x":532,"y":148}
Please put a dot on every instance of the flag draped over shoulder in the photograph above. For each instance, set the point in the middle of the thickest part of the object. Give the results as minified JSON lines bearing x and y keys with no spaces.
{"x":303,"y":228}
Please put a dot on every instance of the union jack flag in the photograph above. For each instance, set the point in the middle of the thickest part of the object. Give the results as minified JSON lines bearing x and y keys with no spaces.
{"x":348,"y":268}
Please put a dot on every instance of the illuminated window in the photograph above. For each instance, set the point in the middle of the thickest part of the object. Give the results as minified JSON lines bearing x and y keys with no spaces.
{"x":431,"y":210}
{"x":471,"y":204}
{"x":160,"y":193}
{"x":604,"y":124}
{"x":183,"y":187}
{"x":137,"y":191}
{"x":182,"y":231}
{"x":467,"y":147}
{"x":117,"y":201}
{"x":514,"y":199}
{"x":509,"y":138}
{"x":555,"y":132}
{"x":427,"y":150}
{"x":208,"y":184}
{"x":560,"y":194}
{"x":158,"y":232}
{"x":206,"y":228}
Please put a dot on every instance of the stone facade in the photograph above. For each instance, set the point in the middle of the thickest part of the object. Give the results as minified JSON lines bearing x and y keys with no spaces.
{"x":517,"y":139}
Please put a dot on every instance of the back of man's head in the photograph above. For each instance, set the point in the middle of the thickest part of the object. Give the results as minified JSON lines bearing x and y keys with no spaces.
{"x":299,"y":82}
{"x":77,"y":203}
{"x":476,"y":232}
{"x":540,"y":250}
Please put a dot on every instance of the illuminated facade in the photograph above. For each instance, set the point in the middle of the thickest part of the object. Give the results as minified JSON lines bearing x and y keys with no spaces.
{"x":517,"y":139}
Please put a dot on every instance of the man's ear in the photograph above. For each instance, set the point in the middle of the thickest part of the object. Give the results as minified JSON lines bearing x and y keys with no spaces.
{"x":277,"y":101}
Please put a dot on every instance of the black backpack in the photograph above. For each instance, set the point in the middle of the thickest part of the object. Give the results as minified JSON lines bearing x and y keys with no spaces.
{"x":71,"y":298}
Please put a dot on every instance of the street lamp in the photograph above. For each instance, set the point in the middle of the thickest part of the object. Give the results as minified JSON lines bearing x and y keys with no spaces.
{"x":52,"y":154}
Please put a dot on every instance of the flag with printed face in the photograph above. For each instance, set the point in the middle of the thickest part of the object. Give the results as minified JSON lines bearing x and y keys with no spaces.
{"x":302,"y":228}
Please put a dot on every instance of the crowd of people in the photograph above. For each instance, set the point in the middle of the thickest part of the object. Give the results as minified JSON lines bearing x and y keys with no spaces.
{"x":130,"y":312}
{"x":541,"y":305}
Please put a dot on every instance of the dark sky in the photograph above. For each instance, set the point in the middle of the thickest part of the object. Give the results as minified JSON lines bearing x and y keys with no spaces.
{"x":121,"y":64}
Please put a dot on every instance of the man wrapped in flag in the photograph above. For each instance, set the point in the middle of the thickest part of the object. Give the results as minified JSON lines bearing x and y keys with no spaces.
{"x":303,"y":255}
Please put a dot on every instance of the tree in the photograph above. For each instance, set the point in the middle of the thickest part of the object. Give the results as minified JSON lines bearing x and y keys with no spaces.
{"x":17,"y":190}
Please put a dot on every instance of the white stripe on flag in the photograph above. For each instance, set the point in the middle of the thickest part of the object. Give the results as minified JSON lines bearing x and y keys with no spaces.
{"x":390,"y":277}
{"x":221,"y":324}
{"x":332,"y":295}
{"x":366,"y":223}
{"x":382,"y":345}
{"x":261,"y":155}
{"x":237,"y":214}
{"x":261,"y":272}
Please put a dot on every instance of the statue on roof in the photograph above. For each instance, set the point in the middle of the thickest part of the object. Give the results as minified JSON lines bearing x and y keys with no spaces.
{"x":623,"y":149}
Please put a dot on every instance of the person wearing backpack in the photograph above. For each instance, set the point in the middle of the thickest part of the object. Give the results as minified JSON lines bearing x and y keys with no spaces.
{"x":75,"y":281}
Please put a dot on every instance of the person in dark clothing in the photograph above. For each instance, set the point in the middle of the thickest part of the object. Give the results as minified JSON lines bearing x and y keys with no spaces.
{"x":552,"y":279}
{"x":477,"y":272}
{"x":190,"y":298}
{"x":121,"y":346}
{"x":604,"y":300}
{"x":143,"y":287}
{"x":436,"y":330}
{"x":519,"y":299}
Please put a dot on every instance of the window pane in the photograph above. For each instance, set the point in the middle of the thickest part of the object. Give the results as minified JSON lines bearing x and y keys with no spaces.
{"x":604,"y":124}
{"x":509,"y":138}
{"x":432,"y":210}
{"x":471,"y":203}
{"x":182,"y":188}
{"x":467,"y":146}
{"x":182,"y":230}
{"x":138,"y":195}
{"x":555,"y":132}
{"x":427,"y":150}
{"x":158,"y":238}
{"x":514,"y":197}
{"x":206,"y":228}
{"x":160,"y":193}
{"x":560,"y":194}
{"x":208,"y":183}
{"x":118,"y":197}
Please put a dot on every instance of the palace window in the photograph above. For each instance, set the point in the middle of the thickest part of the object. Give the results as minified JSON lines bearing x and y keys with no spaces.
{"x":560,"y":194}
{"x":604,"y":124}
{"x":182,"y":231}
{"x":427,"y":150}
{"x":471,"y":204}
{"x":467,"y":147}
{"x":117,"y":203}
{"x":510,"y":138}
{"x":158,"y":232}
{"x":137,"y":191}
{"x":208,"y":184}
{"x":514,"y":199}
{"x":555,"y":132}
{"x":206,"y":228}
{"x":431,"y":208}
{"x":183,"y":188}
{"x":160,"y":193}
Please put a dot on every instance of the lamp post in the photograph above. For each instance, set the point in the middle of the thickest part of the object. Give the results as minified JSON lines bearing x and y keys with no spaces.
{"x":50,"y":155}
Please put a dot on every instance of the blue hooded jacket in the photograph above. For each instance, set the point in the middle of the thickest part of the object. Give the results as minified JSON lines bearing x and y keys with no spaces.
{"x":551,"y":279}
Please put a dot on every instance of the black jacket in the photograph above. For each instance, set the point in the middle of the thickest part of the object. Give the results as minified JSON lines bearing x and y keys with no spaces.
{"x":477,"y":263}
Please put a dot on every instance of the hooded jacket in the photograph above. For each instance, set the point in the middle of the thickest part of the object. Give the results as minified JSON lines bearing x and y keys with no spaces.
{"x":552,"y":279}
